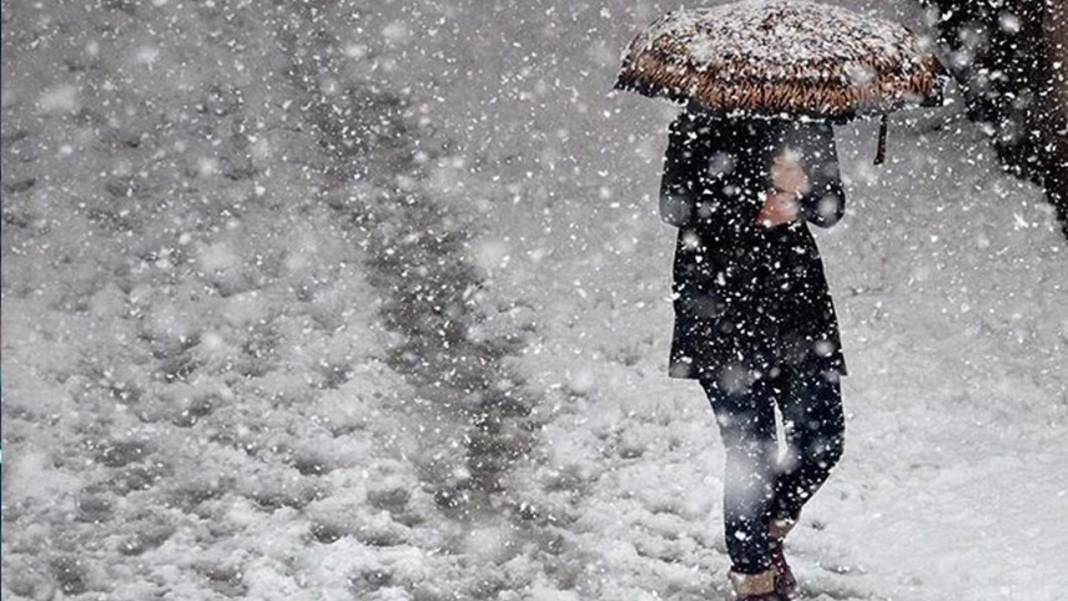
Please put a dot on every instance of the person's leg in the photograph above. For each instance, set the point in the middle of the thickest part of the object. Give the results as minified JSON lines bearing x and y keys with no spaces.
{"x":747,"y":426}
{"x":815,"y":428}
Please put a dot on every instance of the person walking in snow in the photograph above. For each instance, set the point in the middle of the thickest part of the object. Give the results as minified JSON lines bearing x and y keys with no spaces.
{"x":754,"y":319}
{"x":750,"y":164}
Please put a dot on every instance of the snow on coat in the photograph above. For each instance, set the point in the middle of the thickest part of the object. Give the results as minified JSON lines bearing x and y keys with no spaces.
{"x":746,"y":298}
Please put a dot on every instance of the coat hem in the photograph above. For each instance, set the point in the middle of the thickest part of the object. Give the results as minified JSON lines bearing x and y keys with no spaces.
{"x":676,"y":373}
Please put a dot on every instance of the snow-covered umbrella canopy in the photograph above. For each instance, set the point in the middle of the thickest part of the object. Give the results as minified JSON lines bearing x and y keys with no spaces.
{"x":779,"y":56}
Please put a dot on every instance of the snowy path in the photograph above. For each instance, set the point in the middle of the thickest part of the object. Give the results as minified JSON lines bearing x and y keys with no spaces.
{"x":239,"y":332}
{"x":960,"y":395}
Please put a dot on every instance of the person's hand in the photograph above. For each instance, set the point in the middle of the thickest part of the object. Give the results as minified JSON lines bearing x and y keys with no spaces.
{"x":788,"y":176}
{"x":779,"y":208}
{"x":790,"y":183}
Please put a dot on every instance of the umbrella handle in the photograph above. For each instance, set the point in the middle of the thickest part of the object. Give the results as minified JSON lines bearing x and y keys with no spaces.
{"x":880,"y":151}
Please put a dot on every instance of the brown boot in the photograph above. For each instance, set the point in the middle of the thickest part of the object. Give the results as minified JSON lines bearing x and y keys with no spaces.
{"x":785,"y":583}
{"x":755,"y":587}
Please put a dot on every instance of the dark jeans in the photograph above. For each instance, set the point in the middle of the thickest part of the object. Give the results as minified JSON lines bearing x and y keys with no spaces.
{"x":758,"y":487}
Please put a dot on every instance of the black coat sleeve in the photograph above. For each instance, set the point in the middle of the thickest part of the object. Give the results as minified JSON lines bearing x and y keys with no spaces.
{"x":824,"y":204}
{"x":678,"y":190}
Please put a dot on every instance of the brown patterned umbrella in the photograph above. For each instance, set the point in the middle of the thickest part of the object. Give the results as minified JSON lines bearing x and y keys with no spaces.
{"x":793,"y":57}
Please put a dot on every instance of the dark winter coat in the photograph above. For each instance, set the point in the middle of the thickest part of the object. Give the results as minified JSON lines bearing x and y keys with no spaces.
{"x":748,"y":298}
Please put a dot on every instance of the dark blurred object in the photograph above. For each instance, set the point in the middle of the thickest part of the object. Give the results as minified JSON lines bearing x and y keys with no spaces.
{"x":1011,"y":60}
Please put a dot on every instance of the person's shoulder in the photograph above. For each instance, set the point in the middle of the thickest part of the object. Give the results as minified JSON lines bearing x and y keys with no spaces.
{"x":810,"y":133}
{"x":694,"y":127}
{"x":687,"y":120}
{"x":819,"y":127}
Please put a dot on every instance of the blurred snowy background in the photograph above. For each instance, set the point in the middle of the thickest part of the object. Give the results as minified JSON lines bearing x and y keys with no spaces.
{"x":370,"y":300}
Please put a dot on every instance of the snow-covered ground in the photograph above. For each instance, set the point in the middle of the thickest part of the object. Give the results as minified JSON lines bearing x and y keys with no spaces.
{"x":200,"y":399}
